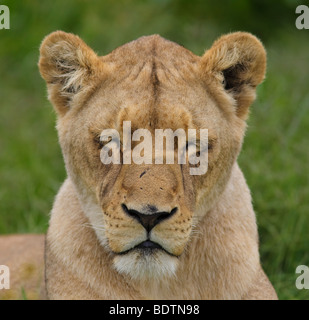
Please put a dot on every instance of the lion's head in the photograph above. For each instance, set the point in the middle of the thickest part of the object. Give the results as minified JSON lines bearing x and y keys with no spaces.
{"x":145,"y":214}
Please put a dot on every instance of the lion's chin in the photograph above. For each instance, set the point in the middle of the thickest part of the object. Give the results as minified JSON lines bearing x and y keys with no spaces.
{"x":140,"y":266}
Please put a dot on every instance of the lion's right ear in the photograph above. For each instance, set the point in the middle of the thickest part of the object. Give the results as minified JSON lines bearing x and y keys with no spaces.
{"x":68,"y":66}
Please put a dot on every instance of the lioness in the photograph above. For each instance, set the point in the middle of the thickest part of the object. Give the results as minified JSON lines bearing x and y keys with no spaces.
{"x":153,"y":231}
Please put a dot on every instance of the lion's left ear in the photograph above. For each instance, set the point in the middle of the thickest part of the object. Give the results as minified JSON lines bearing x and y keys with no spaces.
{"x":240,"y":60}
{"x":68,"y":66}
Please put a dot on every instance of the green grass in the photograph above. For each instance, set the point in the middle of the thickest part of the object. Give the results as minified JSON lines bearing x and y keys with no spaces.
{"x":275,"y":153}
{"x":274,"y":160}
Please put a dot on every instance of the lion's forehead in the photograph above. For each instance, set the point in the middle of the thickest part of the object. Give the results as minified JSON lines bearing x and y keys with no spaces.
{"x":144,"y":111}
{"x":155,"y":84}
{"x":151,"y":60}
{"x":167,"y":112}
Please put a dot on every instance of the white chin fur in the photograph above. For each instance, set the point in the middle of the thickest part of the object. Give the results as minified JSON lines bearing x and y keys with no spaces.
{"x":139,"y":266}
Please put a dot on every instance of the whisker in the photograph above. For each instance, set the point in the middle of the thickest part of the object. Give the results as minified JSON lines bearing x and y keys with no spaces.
{"x":95,"y":227}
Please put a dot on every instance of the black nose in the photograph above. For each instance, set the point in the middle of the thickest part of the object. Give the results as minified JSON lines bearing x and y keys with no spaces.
{"x":148,"y":221}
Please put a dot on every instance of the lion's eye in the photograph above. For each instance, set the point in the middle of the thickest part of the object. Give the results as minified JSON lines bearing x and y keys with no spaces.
{"x":98,"y":142}
{"x":103,"y":141}
{"x":193,"y":148}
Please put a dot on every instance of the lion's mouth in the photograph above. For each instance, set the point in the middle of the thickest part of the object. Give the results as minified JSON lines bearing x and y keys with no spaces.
{"x":147,"y":247}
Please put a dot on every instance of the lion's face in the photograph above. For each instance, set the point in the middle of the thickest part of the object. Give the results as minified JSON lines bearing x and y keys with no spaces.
{"x":146,"y":214}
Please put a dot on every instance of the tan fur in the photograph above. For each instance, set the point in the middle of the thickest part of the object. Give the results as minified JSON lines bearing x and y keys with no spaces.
{"x":23,"y":254}
{"x":212,"y":238}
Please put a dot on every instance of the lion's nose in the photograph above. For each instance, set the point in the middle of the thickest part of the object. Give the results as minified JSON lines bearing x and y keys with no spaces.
{"x":148,"y":221}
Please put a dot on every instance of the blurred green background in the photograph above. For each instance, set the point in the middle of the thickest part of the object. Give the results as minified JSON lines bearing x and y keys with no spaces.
{"x":275,"y":153}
